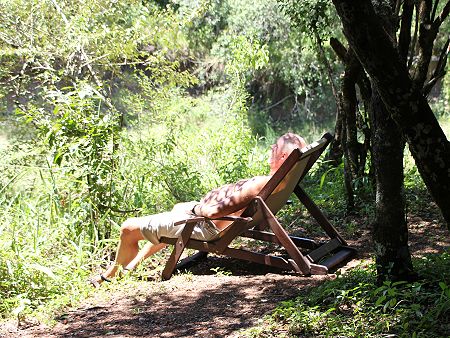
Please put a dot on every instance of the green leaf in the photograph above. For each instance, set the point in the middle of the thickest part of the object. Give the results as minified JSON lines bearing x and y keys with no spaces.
{"x":44,"y":270}
{"x":380,"y":300}
{"x":393,"y":302}
{"x":23,"y":303}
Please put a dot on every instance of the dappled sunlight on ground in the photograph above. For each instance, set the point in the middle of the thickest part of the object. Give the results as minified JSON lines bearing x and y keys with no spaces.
{"x":219,"y":296}
{"x":427,"y":236}
{"x":188,"y":305}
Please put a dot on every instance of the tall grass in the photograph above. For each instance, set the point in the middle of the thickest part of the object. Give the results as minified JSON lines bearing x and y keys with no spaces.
{"x":40,"y":260}
{"x":49,"y":225}
{"x":49,"y":242}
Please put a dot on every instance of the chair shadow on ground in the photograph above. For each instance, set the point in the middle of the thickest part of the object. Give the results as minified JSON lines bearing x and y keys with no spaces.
{"x":220,"y":295}
{"x":215,"y":297}
{"x":236,"y":296}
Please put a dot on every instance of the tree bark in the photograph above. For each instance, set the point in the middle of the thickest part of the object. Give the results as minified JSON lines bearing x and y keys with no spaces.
{"x":336,"y":150}
{"x":334,"y":156}
{"x":404,"y":39}
{"x":350,"y":143}
{"x":390,"y":232}
{"x":355,"y":75}
{"x":350,"y":103}
{"x":404,"y":102}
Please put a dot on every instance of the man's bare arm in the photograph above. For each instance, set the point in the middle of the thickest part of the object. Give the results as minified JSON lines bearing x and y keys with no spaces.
{"x":230,"y":198}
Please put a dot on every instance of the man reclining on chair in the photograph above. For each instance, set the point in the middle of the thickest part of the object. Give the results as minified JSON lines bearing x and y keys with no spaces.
{"x":228,"y":200}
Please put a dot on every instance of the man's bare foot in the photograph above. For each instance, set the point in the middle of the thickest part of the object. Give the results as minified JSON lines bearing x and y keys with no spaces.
{"x":97,"y":280}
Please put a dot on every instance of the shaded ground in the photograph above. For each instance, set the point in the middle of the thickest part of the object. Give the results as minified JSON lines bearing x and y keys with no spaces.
{"x":204,"y":302}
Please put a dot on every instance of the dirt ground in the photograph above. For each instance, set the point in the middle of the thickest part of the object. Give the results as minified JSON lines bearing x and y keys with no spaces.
{"x":221,"y":302}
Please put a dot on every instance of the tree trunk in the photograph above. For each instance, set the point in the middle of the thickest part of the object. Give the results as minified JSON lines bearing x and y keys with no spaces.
{"x":335,"y":153}
{"x":354,"y":75}
{"x":405,"y":104}
{"x":390,"y":233}
{"x":350,"y":143}
{"x":350,"y":104}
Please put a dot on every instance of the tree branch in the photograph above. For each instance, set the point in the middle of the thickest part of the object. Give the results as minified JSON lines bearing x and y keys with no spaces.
{"x":427,"y":34}
{"x":439,"y":71}
{"x":444,"y":14}
{"x":327,"y":65}
{"x":407,"y":105}
{"x":425,"y":7}
{"x":405,"y":29}
{"x":5,"y":39}
{"x":414,"y":40}
{"x":59,"y":10}
{"x":398,"y":4}
{"x":433,"y":12}
{"x":277,"y":103}
{"x":339,"y":49}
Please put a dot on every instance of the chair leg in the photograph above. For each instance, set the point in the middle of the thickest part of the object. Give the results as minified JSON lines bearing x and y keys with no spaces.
{"x":284,"y":239}
{"x":317,"y":214}
{"x":178,"y":249}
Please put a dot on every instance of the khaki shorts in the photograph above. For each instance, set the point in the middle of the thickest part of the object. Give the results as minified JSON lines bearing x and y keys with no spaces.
{"x":154,"y":227}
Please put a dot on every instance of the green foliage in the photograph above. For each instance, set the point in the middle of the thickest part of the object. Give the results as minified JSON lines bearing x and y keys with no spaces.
{"x":258,"y":41}
{"x":204,"y":21}
{"x":102,"y":90}
{"x":83,"y":138}
{"x":440,"y":104}
{"x":331,"y":183}
{"x":51,"y":45}
{"x":54,"y":221}
{"x":245,"y":56}
{"x":185,"y":166}
{"x":39,"y":247}
{"x":312,"y":16}
{"x":219,"y":271}
{"x":315,"y":22}
{"x":353,"y":305}
{"x":132,"y":106}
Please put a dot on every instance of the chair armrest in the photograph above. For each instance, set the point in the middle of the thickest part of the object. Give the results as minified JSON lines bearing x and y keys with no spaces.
{"x":232,"y":218}
{"x":223,"y":218}
{"x":190,"y":220}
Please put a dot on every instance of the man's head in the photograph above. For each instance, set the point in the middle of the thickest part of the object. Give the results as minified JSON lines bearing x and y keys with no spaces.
{"x":282,"y":148}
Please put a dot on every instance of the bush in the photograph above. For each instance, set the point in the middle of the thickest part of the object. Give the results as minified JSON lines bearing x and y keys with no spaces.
{"x":353,"y":305}
{"x":64,"y":196}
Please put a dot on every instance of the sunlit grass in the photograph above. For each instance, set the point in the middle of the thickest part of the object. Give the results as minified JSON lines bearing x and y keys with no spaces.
{"x":353,"y":305}
{"x":48,"y":246}
{"x":49,"y":243}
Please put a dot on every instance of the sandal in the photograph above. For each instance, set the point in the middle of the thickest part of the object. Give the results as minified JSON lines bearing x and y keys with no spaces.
{"x":95,"y":283}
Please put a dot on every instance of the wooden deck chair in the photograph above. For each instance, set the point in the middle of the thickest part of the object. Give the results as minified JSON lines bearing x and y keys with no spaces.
{"x":259,"y":217}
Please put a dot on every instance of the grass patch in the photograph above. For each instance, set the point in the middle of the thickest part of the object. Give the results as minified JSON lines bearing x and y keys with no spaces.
{"x":352,"y":305}
{"x":50,"y":228}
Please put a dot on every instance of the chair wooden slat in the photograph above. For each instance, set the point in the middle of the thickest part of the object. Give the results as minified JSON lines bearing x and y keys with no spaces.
{"x":323,"y":250}
{"x":266,"y":236}
{"x":339,"y":257}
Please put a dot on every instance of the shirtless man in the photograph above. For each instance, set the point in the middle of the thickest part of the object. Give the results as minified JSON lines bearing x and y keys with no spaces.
{"x":230,"y":199}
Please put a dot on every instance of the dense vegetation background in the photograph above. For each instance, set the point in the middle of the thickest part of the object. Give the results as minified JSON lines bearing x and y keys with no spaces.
{"x":116,"y":108}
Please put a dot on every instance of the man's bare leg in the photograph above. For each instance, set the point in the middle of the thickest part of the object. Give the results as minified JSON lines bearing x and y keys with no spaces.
{"x":147,"y":250}
{"x":128,"y":255}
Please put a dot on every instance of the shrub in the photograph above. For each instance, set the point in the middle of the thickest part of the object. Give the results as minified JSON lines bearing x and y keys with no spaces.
{"x":353,"y":305}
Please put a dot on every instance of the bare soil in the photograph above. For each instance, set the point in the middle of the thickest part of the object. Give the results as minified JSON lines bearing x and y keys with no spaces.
{"x":204,"y":302}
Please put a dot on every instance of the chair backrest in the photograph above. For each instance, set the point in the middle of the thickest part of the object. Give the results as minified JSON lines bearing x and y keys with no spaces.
{"x":282,"y":184}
